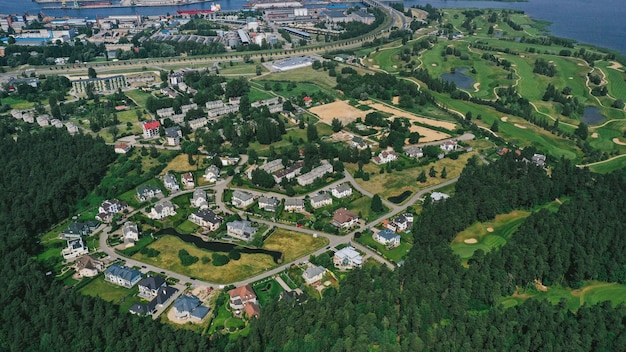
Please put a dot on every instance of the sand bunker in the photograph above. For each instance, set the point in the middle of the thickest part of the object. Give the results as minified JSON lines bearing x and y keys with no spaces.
{"x":471,"y":241}
{"x":617,"y":141}
{"x":570,"y":77}
{"x":490,"y":229}
{"x":395,"y":100}
{"x":594,"y":135}
{"x":519,"y":126}
{"x":476,"y":85}
{"x":433,"y":65}
{"x":615,"y":65}
{"x":341,"y":110}
{"x":504,"y":118}
{"x":376,"y":66}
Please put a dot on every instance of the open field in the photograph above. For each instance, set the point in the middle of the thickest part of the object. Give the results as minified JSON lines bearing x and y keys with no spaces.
{"x":108,"y":291}
{"x":427,"y":134}
{"x":305,"y":75}
{"x":140,"y":97}
{"x":293,"y":244}
{"x":341,"y":110}
{"x":168,"y":246}
{"x":591,"y":293}
{"x":395,"y":254}
{"x":267,"y":290}
{"x":181,"y":164}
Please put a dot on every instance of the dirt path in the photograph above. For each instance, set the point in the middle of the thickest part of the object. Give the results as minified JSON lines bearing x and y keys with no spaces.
{"x":602,"y":162}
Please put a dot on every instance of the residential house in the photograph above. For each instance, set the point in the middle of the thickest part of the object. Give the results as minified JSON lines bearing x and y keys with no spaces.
{"x":162,"y":209}
{"x":296,"y":296}
{"x":186,"y":108}
{"x":122,"y":275}
{"x":163,"y":295}
{"x":387,"y":237}
{"x":206,"y":218}
{"x":71,"y":127}
{"x":449,"y":146}
{"x":173,"y":135}
{"x":56,"y":123}
{"x":165,"y":112}
{"x":214,"y":104}
{"x":311,"y":176}
{"x":75,"y":248}
{"x":347,"y":258}
{"x":272,"y":166}
{"x":320,"y":200}
{"x":385,"y":157}
{"x":242,"y":230}
{"x":199,"y":199}
{"x":242,"y":199}
{"x":294,"y":204}
{"x":43,"y":120}
{"x":198,"y":123}
{"x":358,"y":143}
{"x":437,"y":196}
{"x":539,"y":160}
{"x":75,"y":230}
{"x":290,"y":172}
{"x":223,"y":110}
{"x":241,"y":295}
{"x":151,"y":129}
{"x":402,"y":222}
{"x":149,"y":286}
{"x":267,"y":102}
{"x":229,"y":160}
{"x":269,"y":203}
{"x":130,"y":232}
{"x":341,"y":191}
{"x":190,"y":307}
{"x":344,"y":218}
{"x":110,"y":207}
{"x":145,"y":193}
{"x":171,"y":183}
{"x":88,"y":266}
{"x":414,"y":152}
{"x":313,"y":274}
{"x":122,"y":148}
{"x":187,"y":180}
{"x":212,"y":173}
{"x":252,"y":310}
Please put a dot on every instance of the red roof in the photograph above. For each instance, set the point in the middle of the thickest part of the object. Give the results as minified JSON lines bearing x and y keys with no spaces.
{"x":151,"y":125}
{"x":306,"y":99}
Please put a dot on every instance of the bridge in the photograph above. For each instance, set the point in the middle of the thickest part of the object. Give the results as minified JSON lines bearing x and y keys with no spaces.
{"x":399,"y":20}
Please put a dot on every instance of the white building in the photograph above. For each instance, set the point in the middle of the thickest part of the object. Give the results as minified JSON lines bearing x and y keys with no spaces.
{"x":347,"y":258}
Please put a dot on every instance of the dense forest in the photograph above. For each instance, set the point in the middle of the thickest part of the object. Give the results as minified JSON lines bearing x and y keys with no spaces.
{"x":433,"y":303}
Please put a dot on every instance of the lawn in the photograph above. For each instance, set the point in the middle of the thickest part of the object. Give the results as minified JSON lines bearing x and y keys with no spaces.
{"x":591,"y":293}
{"x":140,"y":97}
{"x":305,"y":75}
{"x":616,"y":85}
{"x":302,"y":88}
{"x":395,"y":254}
{"x":168,"y":246}
{"x":257,"y":94}
{"x":488,"y":235}
{"x":19,"y":104}
{"x":609,"y":166}
{"x":267,"y":290}
{"x":108,"y":291}
{"x":293,"y":244}
{"x":180,"y":163}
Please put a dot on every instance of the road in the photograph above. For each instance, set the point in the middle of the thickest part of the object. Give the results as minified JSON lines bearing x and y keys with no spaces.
{"x":333,"y":240}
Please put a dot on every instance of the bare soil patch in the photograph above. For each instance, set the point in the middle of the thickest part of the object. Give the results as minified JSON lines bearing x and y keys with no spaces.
{"x":476,"y":85}
{"x":617,"y":141}
{"x":615,"y":65}
{"x":428,"y":135}
{"x":375,"y":66}
{"x":490,"y":229}
{"x":340,"y":110}
{"x":594,"y":135}
{"x":395,"y":100}
{"x":519,"y":126}
{"x":471,"y":241}
{"x":540,"y":287}
{"x":424,"y":120}
{"x":504,"y":118}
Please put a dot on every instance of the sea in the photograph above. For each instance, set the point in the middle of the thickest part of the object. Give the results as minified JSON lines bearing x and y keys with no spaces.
{"x":599,"y":22}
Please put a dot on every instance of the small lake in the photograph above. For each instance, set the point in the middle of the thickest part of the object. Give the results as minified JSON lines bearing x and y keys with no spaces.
{"x":459,"y":78}
{"x":216,"y":246}
{"x":592,"y":116}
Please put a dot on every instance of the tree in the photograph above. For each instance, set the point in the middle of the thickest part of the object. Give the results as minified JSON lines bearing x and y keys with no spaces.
{"x":495,"y":127}
{"x":444,"y":173}
{"x":114,"y":131}
{"x":422,"y":177}
{"x":262,"y":178}
{"x":414,"y":137}
{"x":91,"y":72}
{"x":219,"y":259}
{"x":377,"y":204}
{"x":582,"y":131}
{"x":258,"y":70}
{"x":311,"y":133}
{"x":432,"y":172}
{"x":336,"y":125}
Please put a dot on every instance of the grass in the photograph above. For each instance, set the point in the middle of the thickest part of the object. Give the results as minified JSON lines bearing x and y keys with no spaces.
{"x":293,"y":244}
{"x":108,"y":291}
{"x":616,"y":85}
{"x":267,"y":290}
{"x":592,"y":293}
{"x":609,"y":166}
{"x":19,"y":104}
{"x":140,"y":97}
{"x":300,"y":89}
{"x":168,"y":246}
{"x":395,"y":254}
{"x":258,"y":94}
{"x":181,"y":164}
{"x":305,"y":75}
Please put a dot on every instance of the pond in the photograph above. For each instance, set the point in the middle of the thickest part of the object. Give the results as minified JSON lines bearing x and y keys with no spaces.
{"x":592,"y":115}
{"x":459,"y":78}
{"x":400,"y":198}
{"x":216,"y":246}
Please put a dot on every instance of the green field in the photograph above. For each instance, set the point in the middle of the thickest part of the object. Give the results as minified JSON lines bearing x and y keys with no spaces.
{"x":140,"y":97}
{"x":267,"y":290}
{"x":394,"y":255}
{"x":108,"y":291}
{"x":591,"y":293}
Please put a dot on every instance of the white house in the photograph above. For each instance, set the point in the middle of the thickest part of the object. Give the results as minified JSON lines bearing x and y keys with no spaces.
{"x":190,"y":307}
{"x":75,"y":248}
{"x":151,"y":129}
{"x":437,"y":196}
{"x":320,"y":200}
{"x":242,"y":199}
{"x":311,"y":176}
{"x":149,"y":286}
{"x":313,"y":274}
{"x":385,"y":157}
{"x":344,"y":218}
{"x":187,"y":180}
{"x":269,"y":203}
{"x":171,"y":183}
{"x":206,"y":218}
{"x":122,"y":275}
{"x":199,"y":199}
{"x":162,"y":210}
{"x":387,"y":238}
{"x":88,"y":266}
{"x":242,"y":230}
{"x":341,"y":191}
{"x":449,"y":146}
{"x":145,"y":193}
{"x":130,"y":232}
{"x":402,"y":222}
{"x":294,"y":204}
{"x":414,"y":152}
{"x":173,"y":135}
{"x":347,"y":258}
{"x":241,"y":295}
{"x":212,"y":173}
